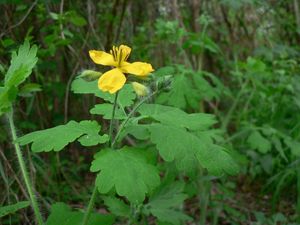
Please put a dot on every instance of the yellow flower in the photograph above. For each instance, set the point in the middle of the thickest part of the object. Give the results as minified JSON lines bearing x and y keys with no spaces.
{"x":114,"y":79}
{"x":140,"y":89}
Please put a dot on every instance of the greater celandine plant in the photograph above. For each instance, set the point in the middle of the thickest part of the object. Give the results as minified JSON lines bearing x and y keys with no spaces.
{"x":21,"y":65}
{"x":142,"y":158}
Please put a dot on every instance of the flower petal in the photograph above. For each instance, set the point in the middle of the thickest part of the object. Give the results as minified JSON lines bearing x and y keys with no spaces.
{"x":102,"y":58}
{"x":112,"y":81}
{"x":137,"y":68}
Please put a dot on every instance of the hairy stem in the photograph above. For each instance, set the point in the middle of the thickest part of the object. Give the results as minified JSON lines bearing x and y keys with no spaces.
{"x":90,"y":206}
{"x":21,"y":162}
{"x":112,"y":121}
{"x":130,"y":115}
{"x":93,"y":197}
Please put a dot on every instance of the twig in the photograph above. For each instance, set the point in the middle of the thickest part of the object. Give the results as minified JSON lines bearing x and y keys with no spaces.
{"x":21,"y":21}
{"x":14,"y":174}
{"x":68,"y":92}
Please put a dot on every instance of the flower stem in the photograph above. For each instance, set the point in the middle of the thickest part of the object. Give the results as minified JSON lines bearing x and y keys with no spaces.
{"x":111,"y":125}
{"x":90,"y":206}
{"x":21,"y":162}
{"x":93,"y":197}
{"x":130,"y":115}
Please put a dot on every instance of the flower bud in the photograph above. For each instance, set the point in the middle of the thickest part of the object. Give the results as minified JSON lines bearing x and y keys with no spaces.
{"x":140,"y":89}
{"x":90,"y":75}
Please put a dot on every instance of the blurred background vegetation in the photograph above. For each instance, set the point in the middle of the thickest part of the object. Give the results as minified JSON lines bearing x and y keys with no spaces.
{"x":237,"y":59}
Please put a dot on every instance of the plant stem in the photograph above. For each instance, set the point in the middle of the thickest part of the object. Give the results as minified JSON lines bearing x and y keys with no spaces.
{"x":111,"y":125}
{"x":233,"y":106}
{"x":93,"y":197}
{"x":21,"y":162}
{"x":90,"y":206}
{"x":130,"y":115}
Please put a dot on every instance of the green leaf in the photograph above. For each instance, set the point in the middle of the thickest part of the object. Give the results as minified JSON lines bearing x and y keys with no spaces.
{"x":57,"y":138}
{"x":106,"y":109}
{"x":278,"y":146}
{"x":62,"y":214}
{"x":189,"y":88}
{"x":54,"y":16}
{"x":164,"y":71}
{"x":179,"y":93}
{"x":20,"y":68}
{"x":126,"y":94}
{"x":21,"y":65}
{"x":140,"y":132}
{"x":116,"y":206}
{"x":76,"y":19}
{"x":81,"y":86}
{"x":9,"y":209}
{"x":165,"y":202}
{"x":176,"y":117}
{"x":210,"y":45}
{"x":294,"y":146}
{"x":7,"y":96}
{"x":27,"y":89}
{"x":127,"y":171}
{"x":189,"y":149}
{"x":257,"y":141}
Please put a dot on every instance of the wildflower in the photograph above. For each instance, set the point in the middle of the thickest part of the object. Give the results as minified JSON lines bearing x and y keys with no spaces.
{"x":114,"y":79}
{"x":140,"y":89}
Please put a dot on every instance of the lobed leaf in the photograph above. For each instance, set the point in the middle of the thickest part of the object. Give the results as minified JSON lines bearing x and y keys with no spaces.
{"x":62,"y":214}
{"x":106,"y":109}
{"x":189,"y":88}
{"x":57,"y":138}
{"x":21,"y":65}
{"x":176,"y":117}
{"x":165,"y":202}
{"x":116,"y":206}
{"x":257,"y":141}
{"x":127,"y":171}
{"x":189,"y":149}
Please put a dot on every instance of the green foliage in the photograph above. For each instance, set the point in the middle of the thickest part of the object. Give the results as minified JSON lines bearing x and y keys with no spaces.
{"x":116,"y":206}
{"x":169,"y":30}
{"x":9,"y":209}
{"x":192,"y":149}
{"x":125,"y":98}
{"x":189,"y":87}
{"x":196,"y":146}
{"x":28,"y":89}
{"x":197,"y":43}
{"x":106,"y":109}
{"x":165,"y":202}
{"x":63,"y":214}
{"x":132,"y":180}
{"x":21,"y":65}
{"x":225,"y":92}
{"x":56,"y":138}
{"x":176,"y":117}
{"x":257,"y":141}
{"x":7,"y":96}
